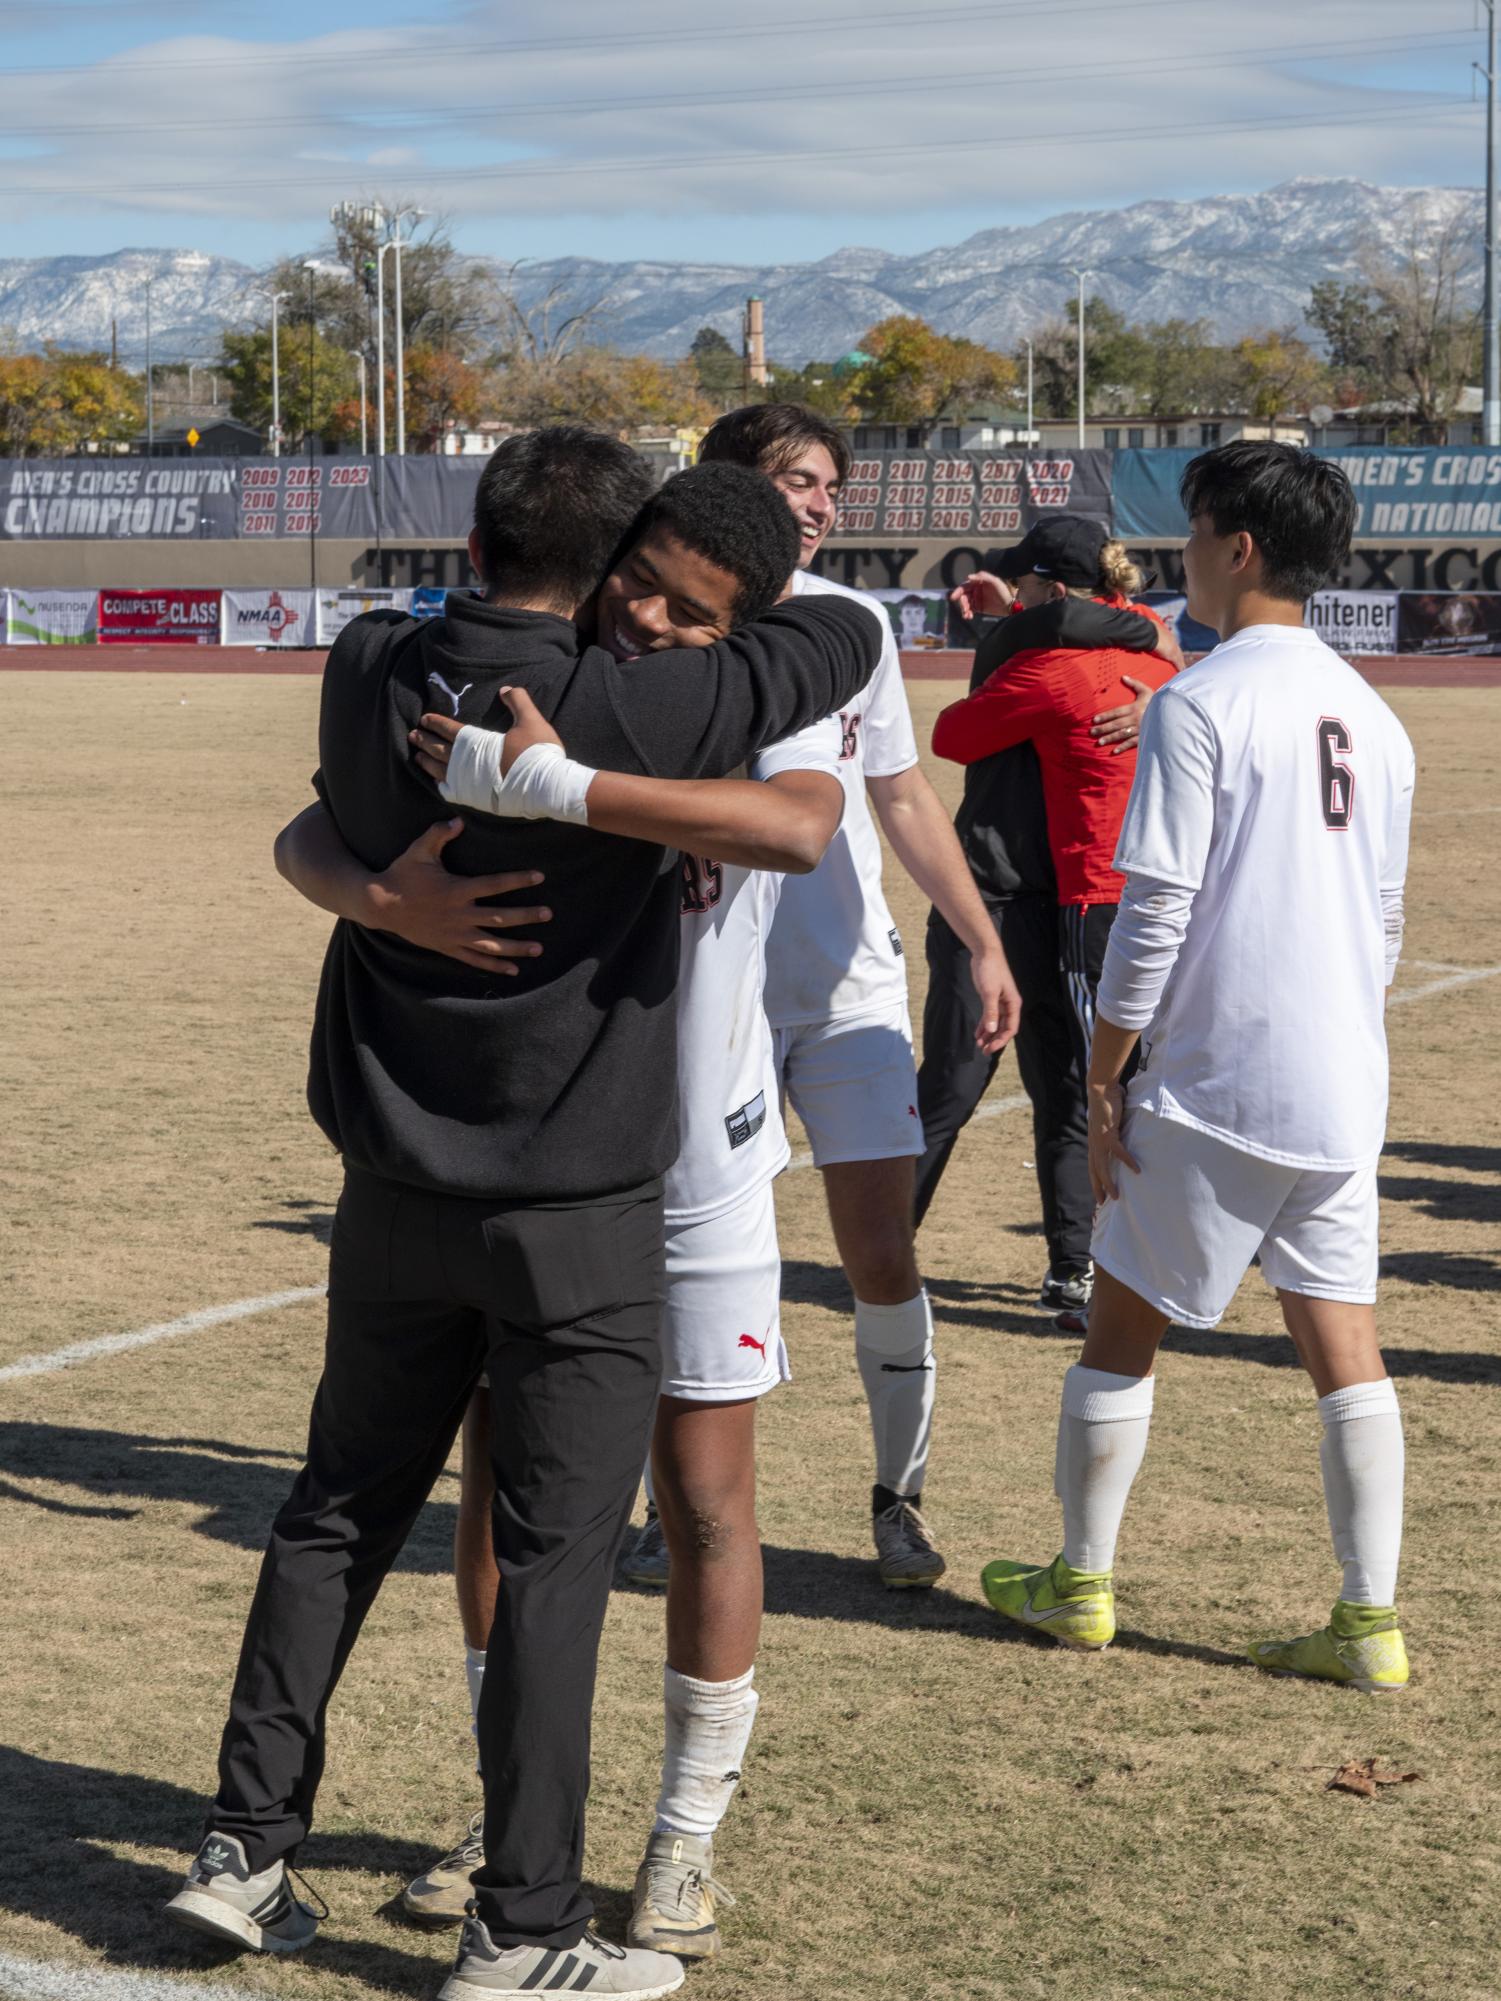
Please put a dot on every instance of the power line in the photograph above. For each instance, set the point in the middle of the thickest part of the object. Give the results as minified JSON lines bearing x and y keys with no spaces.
{"x":342,"y":172}
{"x":404,"y":118}
{"x":464,"y":51}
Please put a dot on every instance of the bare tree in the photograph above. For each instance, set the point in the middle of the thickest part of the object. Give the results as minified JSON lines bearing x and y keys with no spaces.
{"x":1428,"y":335}
{"x":548,"y":330}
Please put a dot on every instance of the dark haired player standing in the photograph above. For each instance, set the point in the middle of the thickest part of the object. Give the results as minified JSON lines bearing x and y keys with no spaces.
{"x":1265,"y":846}
{"x":504,"y":1143}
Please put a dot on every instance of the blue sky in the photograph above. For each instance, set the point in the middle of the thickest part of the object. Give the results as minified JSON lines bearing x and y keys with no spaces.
{"x":678,"y":130}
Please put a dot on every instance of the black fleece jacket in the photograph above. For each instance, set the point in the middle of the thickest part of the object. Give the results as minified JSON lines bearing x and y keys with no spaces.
{"x":559,"y":1084}
{"x":1002,"y":822}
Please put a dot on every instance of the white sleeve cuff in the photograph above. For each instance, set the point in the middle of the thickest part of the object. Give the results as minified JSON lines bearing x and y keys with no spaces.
{"x":1393,"y":918}
{"x":1145,"y":940}
{"x":474,"y":769}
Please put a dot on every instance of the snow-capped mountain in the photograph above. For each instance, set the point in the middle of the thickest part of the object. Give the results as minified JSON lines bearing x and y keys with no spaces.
{"x":1237,"y":261}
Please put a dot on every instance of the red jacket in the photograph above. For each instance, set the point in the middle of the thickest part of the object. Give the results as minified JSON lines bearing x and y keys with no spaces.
{"x":1051,"y":696}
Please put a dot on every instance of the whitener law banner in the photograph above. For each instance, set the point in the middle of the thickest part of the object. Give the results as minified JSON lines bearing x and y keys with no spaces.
{"x":268,"y":618}
{"x":50,"y":618}
{"x":1355,"y":622}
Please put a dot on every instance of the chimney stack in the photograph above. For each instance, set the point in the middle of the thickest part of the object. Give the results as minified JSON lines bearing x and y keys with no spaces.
{"x":757,"y":375}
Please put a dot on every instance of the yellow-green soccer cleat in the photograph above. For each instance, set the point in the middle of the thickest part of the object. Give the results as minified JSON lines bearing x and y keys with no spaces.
{"x":1361,"y":1647}
{"x":1074,"y":1606}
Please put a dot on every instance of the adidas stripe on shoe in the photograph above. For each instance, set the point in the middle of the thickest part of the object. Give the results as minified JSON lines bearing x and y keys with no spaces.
{"x":256,"y":1910}
{"x":488,"y":1972}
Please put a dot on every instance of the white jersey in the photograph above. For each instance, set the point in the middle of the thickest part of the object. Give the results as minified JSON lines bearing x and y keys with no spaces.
{"x":1276,"y":785}
{"x":834,"y":949}
{"x":729,"y":1110}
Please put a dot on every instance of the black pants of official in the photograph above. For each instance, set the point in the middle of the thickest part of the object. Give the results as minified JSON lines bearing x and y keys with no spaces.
{"x":562,"y":1305}
{"x":955,"y":1074}
{"x":1083,"y":934}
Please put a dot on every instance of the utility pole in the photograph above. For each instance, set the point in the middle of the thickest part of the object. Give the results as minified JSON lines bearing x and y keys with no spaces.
{"x":276,"y":299}
{"x":1030,"y":398}
{"x":1491,"y":393}
{"x":398,"y":244}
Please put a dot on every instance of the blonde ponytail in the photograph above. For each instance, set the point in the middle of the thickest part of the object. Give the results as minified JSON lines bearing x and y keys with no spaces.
{"x":1119,"y":576}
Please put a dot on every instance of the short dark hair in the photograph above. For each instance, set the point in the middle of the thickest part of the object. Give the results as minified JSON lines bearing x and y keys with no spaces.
{"x":770,"y":436}
{"x":550,"y":509}
{"x":1299,"y":510}
{"x":733,"y":517}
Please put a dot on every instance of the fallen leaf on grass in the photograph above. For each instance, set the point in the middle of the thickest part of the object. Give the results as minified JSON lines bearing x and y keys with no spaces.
{"x":1362,"y":1776}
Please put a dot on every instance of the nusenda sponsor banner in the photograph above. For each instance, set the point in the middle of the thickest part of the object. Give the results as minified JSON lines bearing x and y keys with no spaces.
{"x":159,"y":618}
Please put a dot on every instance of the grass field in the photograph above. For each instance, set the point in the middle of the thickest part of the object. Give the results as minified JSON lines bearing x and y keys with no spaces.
{"x":933,"y":1807}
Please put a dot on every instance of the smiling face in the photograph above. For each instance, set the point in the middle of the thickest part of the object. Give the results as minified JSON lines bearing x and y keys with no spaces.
{"x":664,"y":594}
{"x":810,"y":485}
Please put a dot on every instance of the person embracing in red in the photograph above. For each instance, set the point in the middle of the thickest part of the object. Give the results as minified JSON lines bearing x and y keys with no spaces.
{"x":1051,"y":694}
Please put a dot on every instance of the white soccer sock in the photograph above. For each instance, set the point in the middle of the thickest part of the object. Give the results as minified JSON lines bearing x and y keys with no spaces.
{"x":708,"y":1728}
{"x":646,"y":1481}
{"x":1363,"y":1460}
{"x":894,"y":1347}
{"x":1102,"y":1439}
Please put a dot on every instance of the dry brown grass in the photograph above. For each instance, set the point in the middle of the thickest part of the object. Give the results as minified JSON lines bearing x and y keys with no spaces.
{"x":932,"y":1807}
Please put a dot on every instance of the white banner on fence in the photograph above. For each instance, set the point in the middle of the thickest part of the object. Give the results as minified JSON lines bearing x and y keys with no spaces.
{"x":267,"y":618}
{"x":51,"y":618}
{"x":1355,"y":621}
{"x":337,"y":608}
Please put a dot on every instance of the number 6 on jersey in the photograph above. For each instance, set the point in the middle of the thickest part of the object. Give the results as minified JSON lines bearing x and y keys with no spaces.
{"x":1336,"y":781}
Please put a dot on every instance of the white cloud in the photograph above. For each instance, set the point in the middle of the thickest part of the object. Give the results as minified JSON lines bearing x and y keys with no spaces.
{"x":935,"y":108}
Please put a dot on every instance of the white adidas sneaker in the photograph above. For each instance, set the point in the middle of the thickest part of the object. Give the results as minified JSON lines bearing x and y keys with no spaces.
{"x":257,"y":1910}
{"x":488,"y":1972}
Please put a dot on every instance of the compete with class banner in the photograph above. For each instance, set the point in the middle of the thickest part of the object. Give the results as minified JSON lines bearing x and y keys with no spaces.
{"x":1422,"y":492}
{"x":159,"y":618}
{"x":50,"y":618}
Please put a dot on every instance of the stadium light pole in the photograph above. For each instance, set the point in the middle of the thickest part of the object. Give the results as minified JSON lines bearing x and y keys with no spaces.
{"x":1030,"y":381}
{"x":358,"y":354}
{"x":399,"y":243}
{"x":1081,"y":273}
{"x":312,"y":492}
{"x":1490,"y":395}
{"x":276,"y":299}
{"x":150,"y":405}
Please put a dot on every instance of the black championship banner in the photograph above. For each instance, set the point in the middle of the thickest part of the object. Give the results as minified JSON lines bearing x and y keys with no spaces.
{"x":994,"y":494}
{"x":229,"y":499}
{"x":1439,"y":622}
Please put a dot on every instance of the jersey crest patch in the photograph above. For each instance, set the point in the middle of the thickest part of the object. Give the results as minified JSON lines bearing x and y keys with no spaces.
{"x":896,"y":941}
{"x":743,"y":1125}
{"x":849,"y":741}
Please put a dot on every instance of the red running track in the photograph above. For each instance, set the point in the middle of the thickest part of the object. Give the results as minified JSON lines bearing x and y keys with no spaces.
{"x":1400,"y":671}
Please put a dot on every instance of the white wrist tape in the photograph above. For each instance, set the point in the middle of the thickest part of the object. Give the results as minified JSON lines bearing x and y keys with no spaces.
{"x":543,"y":784}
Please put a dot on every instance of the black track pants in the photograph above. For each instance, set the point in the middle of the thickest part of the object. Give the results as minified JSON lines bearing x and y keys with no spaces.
{"x":562,"y":1306}
{"x":954,"y":1074}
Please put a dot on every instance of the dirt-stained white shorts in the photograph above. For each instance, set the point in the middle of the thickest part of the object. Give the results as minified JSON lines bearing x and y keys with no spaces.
{"x":1182,"y":1233}
{"x":722,"y":1328}
{"x":853,"y":1083}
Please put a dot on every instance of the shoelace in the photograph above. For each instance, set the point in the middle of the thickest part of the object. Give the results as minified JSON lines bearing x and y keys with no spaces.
{"x":471,"y":1848}
{"x":908,"y":1520}
{"x":682,"y":1877}
{"x":318,"y":1908}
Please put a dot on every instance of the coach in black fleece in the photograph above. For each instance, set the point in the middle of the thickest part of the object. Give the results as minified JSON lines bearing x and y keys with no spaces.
{"x":503,"y":1141}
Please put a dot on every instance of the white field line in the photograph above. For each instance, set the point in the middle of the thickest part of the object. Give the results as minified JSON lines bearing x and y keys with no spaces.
{"x":165,"y":1330}
{"x":990,"y":1111}
{"x":34,"y":1980}
{"x":1459,"y":979}
{"x":241,"y":1309}
{"x":1452,"y":812}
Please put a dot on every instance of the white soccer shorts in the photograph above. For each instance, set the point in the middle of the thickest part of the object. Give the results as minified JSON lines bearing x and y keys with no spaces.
{"x":853,"y":1083}
{"x":722,"y":1328}
{"x":1183,"y":1232}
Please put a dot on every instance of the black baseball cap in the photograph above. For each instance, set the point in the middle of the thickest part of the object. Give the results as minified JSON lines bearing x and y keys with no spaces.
{"x":1065,"y":548}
